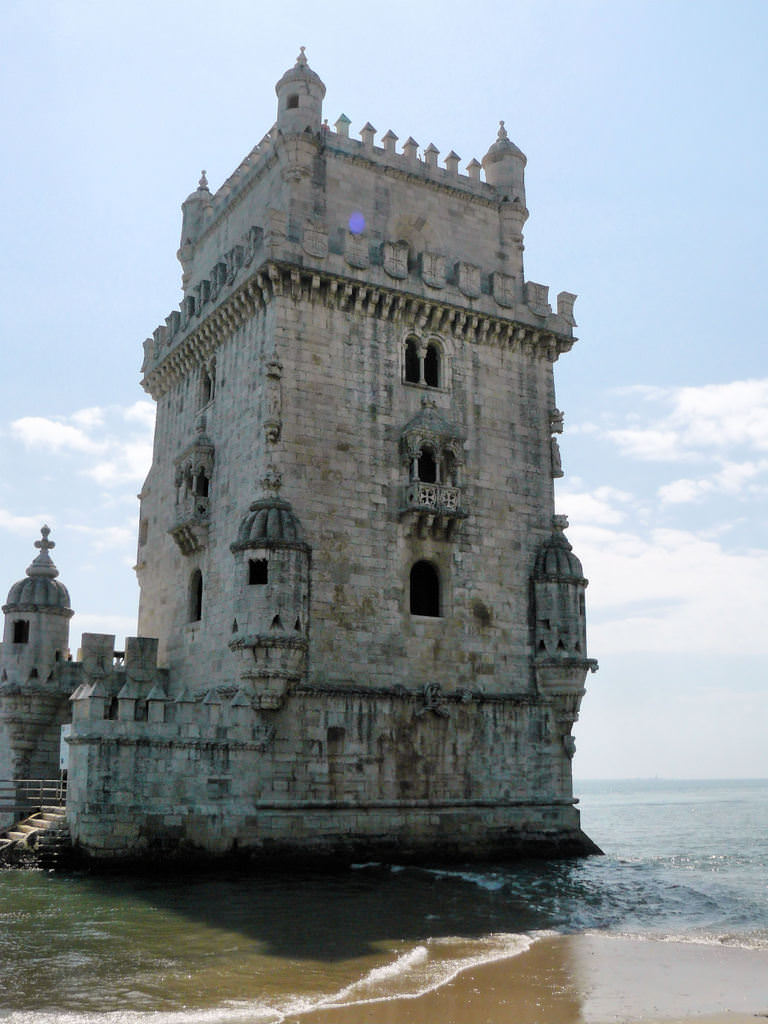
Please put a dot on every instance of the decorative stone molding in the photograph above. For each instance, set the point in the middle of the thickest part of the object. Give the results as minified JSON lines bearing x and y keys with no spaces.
{"x":468,"y":279}
{"x":565,"y":302}
{"x":537,"y":298}
{"x":432,"y":507}
{"x":433,"y":269}
{"x":504,"y":289}
{"x":193,"y":474}
{"x":274,"y":418}
{"x":168,"y":363}
{"x":315,"y":240}
{"x":434,"y":701}
{"x":356,"y":252}
{"x":395,"y":259}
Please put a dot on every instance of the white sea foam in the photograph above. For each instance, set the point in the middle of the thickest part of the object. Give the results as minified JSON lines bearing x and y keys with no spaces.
{"x":421,"y":969}
{"x":734,"y":940}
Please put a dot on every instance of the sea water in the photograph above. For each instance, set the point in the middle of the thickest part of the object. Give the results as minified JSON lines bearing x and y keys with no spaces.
{"x":683,"y":860}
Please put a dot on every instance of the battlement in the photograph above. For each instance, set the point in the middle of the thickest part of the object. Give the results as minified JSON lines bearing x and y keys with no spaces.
{"x":412,"y":160}
{"x":251,"y":273}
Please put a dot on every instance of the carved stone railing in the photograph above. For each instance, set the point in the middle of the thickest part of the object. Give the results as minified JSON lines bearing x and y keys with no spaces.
{"x":435,"y":497}
{"x":433,"y":508}
{"x":190,"y":528}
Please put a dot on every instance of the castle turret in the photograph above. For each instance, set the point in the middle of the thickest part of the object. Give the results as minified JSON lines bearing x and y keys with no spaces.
{"x":194,"y":211}
{"x":270,"y":628}
{"x":35,"y":679}
{"x":504,"y":166}
{"x":37,"y":614}
{"x":300,"y":95}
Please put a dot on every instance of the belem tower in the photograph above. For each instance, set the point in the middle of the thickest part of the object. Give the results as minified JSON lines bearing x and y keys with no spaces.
{"x":361,"y":625}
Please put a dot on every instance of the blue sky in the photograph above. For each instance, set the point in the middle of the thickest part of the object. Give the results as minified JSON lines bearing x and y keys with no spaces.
{"x":645,"y":130}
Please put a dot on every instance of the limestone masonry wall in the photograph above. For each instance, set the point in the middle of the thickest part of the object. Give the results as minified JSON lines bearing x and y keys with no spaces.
{"x":362,"y":629}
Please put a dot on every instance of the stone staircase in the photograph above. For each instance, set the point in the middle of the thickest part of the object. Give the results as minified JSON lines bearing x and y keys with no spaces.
{"x":40,"y":840}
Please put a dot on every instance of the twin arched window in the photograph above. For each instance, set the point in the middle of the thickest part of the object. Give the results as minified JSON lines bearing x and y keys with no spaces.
{"x":423,"y":365}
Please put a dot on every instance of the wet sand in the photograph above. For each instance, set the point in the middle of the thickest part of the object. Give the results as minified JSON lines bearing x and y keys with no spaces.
{"x":585,"y":979}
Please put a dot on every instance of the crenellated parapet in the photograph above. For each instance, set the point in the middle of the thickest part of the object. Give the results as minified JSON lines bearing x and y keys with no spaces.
{"x":193,"y":335}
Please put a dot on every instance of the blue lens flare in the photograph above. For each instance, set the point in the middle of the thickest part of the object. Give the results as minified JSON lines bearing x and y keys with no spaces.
{"x":357,"y":223}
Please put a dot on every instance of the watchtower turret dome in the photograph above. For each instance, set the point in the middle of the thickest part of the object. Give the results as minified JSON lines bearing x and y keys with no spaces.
{"x":300,"y":94}
{"x":504,"y":166}
{"x":270,"y":522}
{"x":556,"y":560}
{"x":39,"y":589}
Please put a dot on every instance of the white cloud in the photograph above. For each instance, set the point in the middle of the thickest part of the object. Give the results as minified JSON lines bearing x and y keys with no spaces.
{"x":23,"y":525}
{"x":53,"y":435}
{"x":88,"y":418}
{"x":733,"y":479}
{"x":696,"y":422}
{"x":600,"y":506}
{"x":119,"y":437}
{"x":671,"y":591}
{"x":141,"y":412}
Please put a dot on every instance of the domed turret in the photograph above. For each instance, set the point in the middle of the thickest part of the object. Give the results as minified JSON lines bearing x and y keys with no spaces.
{"x":559,"y":585}
{"x":556,"y":560}
{"x":271,"y":523}
{"x":37,"y":615}
{"x":194,"y":211}
{"x":504,"y":166}
{"x":270,"y":625}
{"x":300,"y":95}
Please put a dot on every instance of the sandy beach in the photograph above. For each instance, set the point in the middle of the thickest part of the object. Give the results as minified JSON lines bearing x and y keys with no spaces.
{"x":585,"y":979}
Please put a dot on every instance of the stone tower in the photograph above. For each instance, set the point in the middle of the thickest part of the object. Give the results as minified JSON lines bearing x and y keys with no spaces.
{"x":370,"y":627}
{"x":34,"y":683}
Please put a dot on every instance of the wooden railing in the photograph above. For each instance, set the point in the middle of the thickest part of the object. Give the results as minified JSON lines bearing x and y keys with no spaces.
{"x":26,"y":796}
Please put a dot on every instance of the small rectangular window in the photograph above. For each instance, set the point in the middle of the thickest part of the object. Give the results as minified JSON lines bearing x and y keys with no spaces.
{"x":21,"y":631}
{"x":258,"y":571}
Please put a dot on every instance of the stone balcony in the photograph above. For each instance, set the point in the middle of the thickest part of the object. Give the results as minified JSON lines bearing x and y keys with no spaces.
{"x":433,"y":509}
{"x":190,"y":528}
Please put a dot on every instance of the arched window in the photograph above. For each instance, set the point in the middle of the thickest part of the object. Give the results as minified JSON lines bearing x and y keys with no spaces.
{"x":425,"y":590}
{"x":432,"y":366}
{"x":412,"y":367}
{"x":21,"y":631}
{"x":427,"y":467}
{"x":201,"y":484}
{"x":196,"y":596}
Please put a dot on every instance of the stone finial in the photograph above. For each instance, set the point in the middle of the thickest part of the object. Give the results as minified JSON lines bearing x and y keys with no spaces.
{"x":502,"y":133}
{"x":342,"y":126}
{"x":473,"y":169}
{"x":203,"y":183}
{"x":43,"y":563}
{"x":389,"y":141}
{"x":410,"y":149}
{"x":431,"y":154}
{"x":367,"y":133}
{"x":301,"y":60}
{"x":452,"y":162}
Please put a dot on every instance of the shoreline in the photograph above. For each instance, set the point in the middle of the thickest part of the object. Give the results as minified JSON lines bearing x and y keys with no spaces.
{"x":583,"y":979}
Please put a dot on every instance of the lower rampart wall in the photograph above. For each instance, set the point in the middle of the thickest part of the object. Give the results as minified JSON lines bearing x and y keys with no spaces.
{"x":327,"y":776}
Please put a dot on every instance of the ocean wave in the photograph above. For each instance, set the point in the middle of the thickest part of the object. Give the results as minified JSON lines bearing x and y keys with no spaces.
{"x":423,"y":968}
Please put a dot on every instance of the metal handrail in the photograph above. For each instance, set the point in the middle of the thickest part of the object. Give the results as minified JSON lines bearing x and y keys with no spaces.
{"x":29,"y":795}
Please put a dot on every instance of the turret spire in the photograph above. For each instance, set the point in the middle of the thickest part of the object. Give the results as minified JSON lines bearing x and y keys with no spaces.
{"x":43,"y":563}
